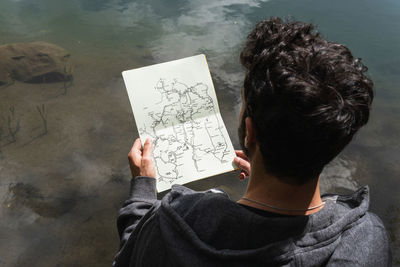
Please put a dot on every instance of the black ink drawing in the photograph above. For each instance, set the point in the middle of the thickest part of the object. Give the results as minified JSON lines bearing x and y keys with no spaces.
{"x":190,"y":112}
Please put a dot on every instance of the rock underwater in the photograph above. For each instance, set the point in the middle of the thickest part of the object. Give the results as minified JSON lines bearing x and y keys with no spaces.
{"x":36,"y":62}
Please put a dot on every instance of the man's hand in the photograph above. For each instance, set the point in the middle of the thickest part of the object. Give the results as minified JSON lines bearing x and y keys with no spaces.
{"x":243,"y":163}
{"x":141,"y":162}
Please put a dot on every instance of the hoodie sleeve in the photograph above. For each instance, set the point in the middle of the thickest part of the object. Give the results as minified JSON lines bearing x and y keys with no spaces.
{"x":142,"y":197}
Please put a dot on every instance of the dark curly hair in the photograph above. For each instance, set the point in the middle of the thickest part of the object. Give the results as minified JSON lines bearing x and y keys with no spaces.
{"x":306,"y":96}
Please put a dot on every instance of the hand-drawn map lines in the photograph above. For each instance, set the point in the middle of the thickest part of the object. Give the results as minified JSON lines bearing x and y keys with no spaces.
{"x":190,"y":111}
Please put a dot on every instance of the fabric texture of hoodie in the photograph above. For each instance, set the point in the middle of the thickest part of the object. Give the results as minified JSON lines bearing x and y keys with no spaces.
{"x":189,"y":228}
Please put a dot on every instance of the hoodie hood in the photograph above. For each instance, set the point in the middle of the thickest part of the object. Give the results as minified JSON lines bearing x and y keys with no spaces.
{"x":221,"y":232}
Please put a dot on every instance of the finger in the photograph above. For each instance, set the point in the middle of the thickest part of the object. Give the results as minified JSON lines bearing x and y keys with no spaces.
{"x":242,"y":176}
{"x":135,"y":155}
{"x":242,"y":164}
{"x":137,"y":146}
{"x":241,"y":154}
{"x":148,"y":167}
{"x":148,"y":149}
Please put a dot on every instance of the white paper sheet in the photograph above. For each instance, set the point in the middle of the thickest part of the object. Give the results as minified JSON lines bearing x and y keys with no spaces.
{"x":175,"y":104}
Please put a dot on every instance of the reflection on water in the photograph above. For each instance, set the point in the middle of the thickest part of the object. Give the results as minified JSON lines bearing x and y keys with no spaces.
{"x":60,"y":192}
{"x":338,"y":177}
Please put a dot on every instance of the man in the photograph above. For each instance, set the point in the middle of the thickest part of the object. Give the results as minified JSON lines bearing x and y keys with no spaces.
{"x":303,"y":99}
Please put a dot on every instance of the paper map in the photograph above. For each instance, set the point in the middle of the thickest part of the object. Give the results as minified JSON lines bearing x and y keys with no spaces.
{"x":175,"y":104}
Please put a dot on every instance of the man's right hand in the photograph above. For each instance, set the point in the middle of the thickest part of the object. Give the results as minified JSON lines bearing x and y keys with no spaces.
{"x":243,"y":163}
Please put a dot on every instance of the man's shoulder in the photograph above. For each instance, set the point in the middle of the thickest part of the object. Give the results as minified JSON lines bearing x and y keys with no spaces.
{"x":353,"y":211}
{"x":373,"y":225}
{"x":366,"y":243}
{"x":181,"y":198}
{"x":183,"y":190}
{"x":363,"y":238}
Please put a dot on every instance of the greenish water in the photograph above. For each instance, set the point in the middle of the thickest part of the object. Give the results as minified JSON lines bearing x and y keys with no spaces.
{"x":60,"y":192}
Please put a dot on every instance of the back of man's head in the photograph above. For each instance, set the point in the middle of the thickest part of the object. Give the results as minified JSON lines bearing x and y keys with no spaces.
{"x":306,"y":96}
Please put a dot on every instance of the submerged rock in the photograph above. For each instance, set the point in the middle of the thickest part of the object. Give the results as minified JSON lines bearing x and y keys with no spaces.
{"x":36,"y":62}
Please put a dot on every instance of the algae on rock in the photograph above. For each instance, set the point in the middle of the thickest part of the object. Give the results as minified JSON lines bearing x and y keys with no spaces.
{"x":36,"y":62}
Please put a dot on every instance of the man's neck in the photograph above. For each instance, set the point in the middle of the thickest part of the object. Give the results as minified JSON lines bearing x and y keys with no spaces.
{"x":278,"y":196}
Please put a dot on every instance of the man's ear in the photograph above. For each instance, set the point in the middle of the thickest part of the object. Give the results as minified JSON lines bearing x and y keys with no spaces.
{"x":251,"y":137}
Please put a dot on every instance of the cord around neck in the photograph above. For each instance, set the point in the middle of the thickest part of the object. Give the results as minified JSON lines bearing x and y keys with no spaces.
{"x":282,"y":209}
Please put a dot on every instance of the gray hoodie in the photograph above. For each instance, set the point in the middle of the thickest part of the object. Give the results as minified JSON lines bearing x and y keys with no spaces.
{"x":188,"y":228}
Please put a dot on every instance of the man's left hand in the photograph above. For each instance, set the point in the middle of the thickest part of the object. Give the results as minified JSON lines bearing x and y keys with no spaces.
{"x":141,"y":162}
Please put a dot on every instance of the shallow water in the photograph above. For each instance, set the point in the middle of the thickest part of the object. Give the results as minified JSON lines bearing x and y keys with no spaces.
{"x":60,"y":192}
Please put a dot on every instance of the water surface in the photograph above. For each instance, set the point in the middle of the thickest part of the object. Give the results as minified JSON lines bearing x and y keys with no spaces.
{"x":60,"y":192}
